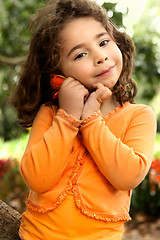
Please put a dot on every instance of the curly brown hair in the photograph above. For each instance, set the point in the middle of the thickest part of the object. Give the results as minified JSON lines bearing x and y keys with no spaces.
{"x":33,"y":88}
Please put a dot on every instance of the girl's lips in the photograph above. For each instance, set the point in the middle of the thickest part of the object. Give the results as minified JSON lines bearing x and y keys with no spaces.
{"x":105,"y":72}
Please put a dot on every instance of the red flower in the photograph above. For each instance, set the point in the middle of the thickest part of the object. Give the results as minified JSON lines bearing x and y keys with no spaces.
{"x":3,"y":166}
{"x":156,"y":164}
{"x":157,"y":178}
{"x":154,"y":174}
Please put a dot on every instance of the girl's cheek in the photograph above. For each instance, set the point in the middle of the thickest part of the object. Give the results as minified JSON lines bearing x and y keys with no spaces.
{"x":119,"y":54}
{"x":84,"y":69}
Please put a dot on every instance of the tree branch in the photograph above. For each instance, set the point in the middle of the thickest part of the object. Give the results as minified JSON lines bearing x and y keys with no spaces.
{"x":10,"y":221}
{"x":12,"y":60}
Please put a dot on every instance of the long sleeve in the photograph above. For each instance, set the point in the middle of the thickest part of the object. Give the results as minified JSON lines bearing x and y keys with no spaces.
{"x":123,"y":161}
{"x":46,"y":156}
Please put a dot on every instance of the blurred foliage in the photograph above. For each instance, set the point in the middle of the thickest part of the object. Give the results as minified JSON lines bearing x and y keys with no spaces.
{"x":15,"y":16}
{"x":115,"y":16}
{"x":147,"y":41}
{"x":146,"y":197}
{"x":146,"y":200}
{"x":13,"y":189}
{"x":13,"y":148}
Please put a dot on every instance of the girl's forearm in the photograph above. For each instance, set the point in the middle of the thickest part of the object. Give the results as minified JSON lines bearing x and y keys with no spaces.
{"x":124,"y":163}
{"x":46,"y":155}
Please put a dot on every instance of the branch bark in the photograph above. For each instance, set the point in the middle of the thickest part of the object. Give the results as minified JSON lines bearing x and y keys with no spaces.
{"x":10,"y":221}
{"x":12,"y":61}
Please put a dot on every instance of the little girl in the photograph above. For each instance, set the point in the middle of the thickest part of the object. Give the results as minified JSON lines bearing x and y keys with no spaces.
{"x":90,"y":144}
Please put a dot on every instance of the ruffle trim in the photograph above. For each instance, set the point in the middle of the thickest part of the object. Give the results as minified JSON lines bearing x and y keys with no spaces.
{"x":98,"y":216}
{"x":91,"y":118}
{"x":45,"y":209}
{"x":72,"y":187}
{"x":116,"y":110}
{"x":75,"y":122}
{"x":68,"y":118}
{"x":89,"y":213}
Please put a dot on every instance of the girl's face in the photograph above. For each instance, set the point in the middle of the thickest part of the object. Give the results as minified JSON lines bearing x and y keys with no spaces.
{"x":88,"y":54}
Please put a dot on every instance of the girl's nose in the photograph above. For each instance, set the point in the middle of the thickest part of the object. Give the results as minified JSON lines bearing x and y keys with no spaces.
{"x":100,"y":58}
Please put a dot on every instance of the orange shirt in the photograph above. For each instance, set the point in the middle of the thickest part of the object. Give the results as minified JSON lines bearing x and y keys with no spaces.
{"x":96,"y":164}
{"x":67,"y":223}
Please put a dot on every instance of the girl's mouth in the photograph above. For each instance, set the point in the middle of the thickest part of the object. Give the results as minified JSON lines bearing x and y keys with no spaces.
{"x":105,"y":72}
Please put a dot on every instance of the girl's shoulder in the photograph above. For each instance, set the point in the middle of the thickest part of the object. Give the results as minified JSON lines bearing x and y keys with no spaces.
{"x":130,"y":110}
{"x":46,"y":113}
{"x":139,"y":110}
{"x":127,"y":106}
{"x":48,"y":108}
{"x":139,"y":107}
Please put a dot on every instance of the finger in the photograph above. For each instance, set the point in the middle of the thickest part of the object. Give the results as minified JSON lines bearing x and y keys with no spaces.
{"x":71,"y":82}
{"x":107,"y":93}
{"x":98,"y":85}
{"x":102,"y":93}
{"x":86,"y":95}
{"x":68,"y":80}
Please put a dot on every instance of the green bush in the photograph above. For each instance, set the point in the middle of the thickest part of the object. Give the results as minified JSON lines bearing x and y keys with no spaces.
{"x":13,"y":190}
{"x":146,"y":197}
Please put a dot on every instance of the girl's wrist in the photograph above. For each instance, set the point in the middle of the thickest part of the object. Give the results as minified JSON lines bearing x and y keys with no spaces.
{"x":69,"y":118}
{"x":86,"y":114}
{"x":91,"y":117}
{"x":77,"y":122}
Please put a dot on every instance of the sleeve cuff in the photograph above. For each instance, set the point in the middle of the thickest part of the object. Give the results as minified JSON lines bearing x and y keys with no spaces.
{"x":78,"y":123}
{"x":69,"y":118}
{"x":91,"y":118}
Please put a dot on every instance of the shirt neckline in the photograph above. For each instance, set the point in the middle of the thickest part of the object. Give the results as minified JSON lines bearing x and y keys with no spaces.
{"x":117,"y":109}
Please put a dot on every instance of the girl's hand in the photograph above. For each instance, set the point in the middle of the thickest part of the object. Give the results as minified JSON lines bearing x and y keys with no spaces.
{"x":95,"y":100}
{"x":72,"y":95}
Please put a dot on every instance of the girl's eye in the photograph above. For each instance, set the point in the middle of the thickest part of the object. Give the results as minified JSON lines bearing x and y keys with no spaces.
{"x":80,"y":55}
{"x":103,"y":43}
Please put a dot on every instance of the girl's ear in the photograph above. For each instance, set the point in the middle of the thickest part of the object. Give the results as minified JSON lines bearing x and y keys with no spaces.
{"x":55,"y":83}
